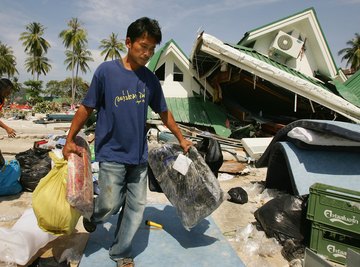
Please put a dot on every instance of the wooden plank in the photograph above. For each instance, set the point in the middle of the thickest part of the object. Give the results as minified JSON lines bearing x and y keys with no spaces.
{"x":233,"y":167}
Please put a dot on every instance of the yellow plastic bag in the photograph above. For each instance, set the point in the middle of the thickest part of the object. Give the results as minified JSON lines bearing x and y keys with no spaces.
{"x":54,"y":214}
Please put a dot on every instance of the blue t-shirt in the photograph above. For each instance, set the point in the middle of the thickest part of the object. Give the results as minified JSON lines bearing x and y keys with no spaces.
{"x":121,"y":98}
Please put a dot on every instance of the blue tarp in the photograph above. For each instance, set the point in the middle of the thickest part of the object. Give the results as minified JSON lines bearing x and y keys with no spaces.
{"x":203,"y":245}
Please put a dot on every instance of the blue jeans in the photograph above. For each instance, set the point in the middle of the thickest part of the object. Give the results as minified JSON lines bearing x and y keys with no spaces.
{"x":121,"y":186}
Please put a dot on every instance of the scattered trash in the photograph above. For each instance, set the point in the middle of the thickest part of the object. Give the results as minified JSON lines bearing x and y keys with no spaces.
{"x":283,"y":218}
{"x":238,"y":195}
{"x":245,"y":171}
{"x":257,"y":246}
{"x":225,"y":176}
{"x":35,"y":164}
{"x":154,"y":224}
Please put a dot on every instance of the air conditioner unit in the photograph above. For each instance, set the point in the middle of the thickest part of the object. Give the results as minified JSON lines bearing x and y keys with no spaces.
{"x":287,"y":45}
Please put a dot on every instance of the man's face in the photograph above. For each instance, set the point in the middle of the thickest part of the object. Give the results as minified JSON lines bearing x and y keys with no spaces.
{"x":5,"y":93}
{"x":141,"y":50}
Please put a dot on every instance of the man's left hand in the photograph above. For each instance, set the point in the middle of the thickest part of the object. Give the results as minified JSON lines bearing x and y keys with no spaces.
{"x":186,"y":144}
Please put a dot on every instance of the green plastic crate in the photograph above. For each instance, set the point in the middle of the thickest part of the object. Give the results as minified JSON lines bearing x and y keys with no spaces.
{"x":333,"y":242}
{"x":334,"y":206}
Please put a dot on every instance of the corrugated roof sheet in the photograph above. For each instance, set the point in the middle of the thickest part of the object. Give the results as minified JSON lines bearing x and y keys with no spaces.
{"x":350,"y":89}
{"x":253,"y":53}
{"x":353,"y":83}
{"x":193,"y":110}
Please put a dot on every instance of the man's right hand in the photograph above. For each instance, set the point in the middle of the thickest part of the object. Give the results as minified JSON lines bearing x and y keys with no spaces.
{"x":71,"y":147}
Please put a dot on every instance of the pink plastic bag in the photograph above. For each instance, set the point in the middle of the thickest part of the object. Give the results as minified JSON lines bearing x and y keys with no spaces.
{"x":80,"y":191}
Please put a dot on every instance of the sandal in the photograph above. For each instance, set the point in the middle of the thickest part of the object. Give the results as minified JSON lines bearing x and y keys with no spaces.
{"x":125,"y":262}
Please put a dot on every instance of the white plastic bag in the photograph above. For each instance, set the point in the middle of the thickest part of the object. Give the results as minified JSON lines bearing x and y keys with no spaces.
{"x":21,"y":242}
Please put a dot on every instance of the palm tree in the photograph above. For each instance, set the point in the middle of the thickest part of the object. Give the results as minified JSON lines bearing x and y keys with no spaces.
{"x":38,"y":65}
{"x":7,"y":61}
{"x":352,"y":53}
{"x":17,"y":84}
{"x":72,"y":37}
{"x":78,"y":59}
{"x":112,"y":47}
{"x":35,"y":46}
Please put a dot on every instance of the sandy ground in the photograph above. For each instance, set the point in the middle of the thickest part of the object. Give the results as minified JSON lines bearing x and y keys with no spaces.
{"x":234,"y":220}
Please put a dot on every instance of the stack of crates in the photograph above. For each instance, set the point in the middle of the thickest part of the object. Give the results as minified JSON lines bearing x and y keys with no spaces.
{"x":334,"y":213}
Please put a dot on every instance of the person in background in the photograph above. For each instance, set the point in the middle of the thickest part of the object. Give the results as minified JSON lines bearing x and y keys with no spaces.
{"x":6,"y":87}
{"x":121,"y":91}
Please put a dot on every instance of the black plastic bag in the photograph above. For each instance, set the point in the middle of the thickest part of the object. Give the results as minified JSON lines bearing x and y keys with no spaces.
{"x":238,"y":195}
{"x":210,"y":149}
{"x":283,"y":218}
{"x":35,"y":164}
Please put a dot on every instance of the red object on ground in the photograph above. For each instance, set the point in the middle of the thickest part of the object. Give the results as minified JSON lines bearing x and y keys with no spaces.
{"x":18,"y":106}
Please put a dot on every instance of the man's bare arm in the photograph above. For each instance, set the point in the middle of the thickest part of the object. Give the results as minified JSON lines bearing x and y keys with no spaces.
{"x":168,"y":119}
{"x":81,"y":116}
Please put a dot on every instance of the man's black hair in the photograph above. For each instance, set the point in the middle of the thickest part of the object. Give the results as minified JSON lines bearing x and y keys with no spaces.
{"x":142,"y":26}
{"x":5,"y":84}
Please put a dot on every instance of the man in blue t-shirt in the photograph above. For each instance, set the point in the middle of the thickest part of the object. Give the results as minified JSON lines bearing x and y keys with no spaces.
{"x":121,"y":91}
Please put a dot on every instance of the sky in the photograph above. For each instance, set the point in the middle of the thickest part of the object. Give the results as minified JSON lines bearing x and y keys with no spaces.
{"x":227,"y":20}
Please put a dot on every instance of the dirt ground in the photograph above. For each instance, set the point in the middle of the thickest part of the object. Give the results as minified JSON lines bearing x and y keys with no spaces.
{"x":234,"y":220}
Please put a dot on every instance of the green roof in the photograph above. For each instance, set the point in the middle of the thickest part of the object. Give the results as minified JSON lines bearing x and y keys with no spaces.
{"x":194,"y":110}
{"x":156,"y":57}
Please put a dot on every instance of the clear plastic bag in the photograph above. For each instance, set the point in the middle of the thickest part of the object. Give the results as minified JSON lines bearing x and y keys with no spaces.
{"x":80,"y":189}
{"x":194,"y":195}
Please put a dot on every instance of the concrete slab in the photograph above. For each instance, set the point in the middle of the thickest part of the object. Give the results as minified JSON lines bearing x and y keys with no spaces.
{"x":255,"y":147}
{"x":203,"y":245}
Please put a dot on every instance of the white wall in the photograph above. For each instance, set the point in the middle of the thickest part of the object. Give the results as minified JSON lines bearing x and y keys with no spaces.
{"x":173,"y":88}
